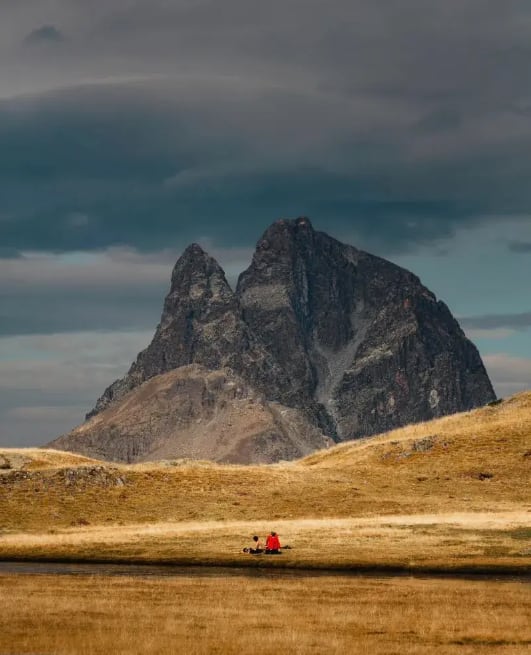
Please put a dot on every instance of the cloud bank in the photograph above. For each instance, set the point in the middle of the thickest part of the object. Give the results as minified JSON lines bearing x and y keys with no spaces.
{"x":168,"y":121}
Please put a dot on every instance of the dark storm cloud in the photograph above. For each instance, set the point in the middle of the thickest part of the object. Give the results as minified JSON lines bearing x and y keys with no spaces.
{"x":520,"y":247}
{"x":513,"y":321}
{"x":143,"y":166}
{"x":47,"y":34}
{"x":396,"y":123}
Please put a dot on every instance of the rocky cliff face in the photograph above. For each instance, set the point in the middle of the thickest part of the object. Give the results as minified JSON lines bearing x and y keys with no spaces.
{"x":353,"y":343}
{"x":201,"y":323}
{"x":357,"y":335}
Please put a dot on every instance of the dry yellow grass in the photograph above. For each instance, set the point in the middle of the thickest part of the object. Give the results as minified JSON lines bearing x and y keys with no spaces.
{"x":40,"y":458}
{"x":237,"y":614}
{"x":459,"y":542}
{"x":476,"y":463}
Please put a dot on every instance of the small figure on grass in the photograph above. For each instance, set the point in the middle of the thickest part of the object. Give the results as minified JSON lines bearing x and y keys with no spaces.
{"x":273,"y":544}
{"x":256,"y":548}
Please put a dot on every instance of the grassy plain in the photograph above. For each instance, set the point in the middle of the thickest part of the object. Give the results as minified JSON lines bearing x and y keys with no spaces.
{"x":447,"y":496}
{"x":239,"y":614}
{"x":452,"y":494}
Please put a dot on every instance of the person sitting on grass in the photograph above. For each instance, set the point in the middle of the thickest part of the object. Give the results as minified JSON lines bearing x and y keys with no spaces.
{"x":273,"y":544}
{"x":256,"y":548}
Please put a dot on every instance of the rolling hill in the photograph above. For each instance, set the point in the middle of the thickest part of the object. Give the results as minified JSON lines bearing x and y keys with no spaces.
{"x":456,"y":488}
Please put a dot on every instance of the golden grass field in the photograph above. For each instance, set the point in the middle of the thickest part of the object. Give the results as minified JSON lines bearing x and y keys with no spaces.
{"x":238,"y":614}
{"x":449,"y":496}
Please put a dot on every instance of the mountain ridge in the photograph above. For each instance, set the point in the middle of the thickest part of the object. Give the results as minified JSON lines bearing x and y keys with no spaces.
{"x":353,"y":342}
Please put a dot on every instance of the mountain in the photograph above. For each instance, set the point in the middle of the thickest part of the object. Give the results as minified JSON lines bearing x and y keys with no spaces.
{"x":201,"y":323}
{"x":195,"y":413}
{"x":352,"y":343}
{"x":357,"y":334}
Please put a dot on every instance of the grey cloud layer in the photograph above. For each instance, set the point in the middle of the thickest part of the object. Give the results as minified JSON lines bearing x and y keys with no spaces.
{"x":49,"y":381}
{"x":511,"y":374}
{"x":399,"y":121}
{"x":520,"y":247}
{"x":491,"y":322}
{"x":44,"y":35}
{"x":117,"y":289}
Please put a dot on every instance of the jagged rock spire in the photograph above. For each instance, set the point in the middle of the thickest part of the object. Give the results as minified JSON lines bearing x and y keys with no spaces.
{"x":357,"y":336}
{"x":354,"y":341}
{"x":201,"y":323}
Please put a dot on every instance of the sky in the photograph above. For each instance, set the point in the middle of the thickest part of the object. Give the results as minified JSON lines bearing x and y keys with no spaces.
{"x":131,"y":128}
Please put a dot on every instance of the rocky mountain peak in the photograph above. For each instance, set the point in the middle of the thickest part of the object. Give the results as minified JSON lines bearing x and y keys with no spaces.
{"x":288,"y":228}
{"x":196,"y":276}
{"x":355,"y":343}
{"x":349,"y":327}
{"x":201,"y":323}
{"x":199,"y":288}
{"x":193,"y":252}
{"x":282,"y":241}
{"x":195,"y":259}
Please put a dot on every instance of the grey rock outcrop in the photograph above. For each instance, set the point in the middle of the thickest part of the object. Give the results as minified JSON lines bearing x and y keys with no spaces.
{"x":195,"y":413}
{"x":201,"y":323}
{"x":343,"y":342}
{"x":356,"y":334}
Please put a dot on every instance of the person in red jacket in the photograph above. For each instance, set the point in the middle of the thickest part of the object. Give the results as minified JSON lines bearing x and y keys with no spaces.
{"x":273,"y":544}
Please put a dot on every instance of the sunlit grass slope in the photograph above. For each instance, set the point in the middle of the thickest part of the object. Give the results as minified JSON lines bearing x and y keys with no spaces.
{"x":472,"y":464}
{"x":237,"y":614}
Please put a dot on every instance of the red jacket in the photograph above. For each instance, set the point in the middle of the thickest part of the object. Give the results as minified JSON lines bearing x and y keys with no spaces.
{"x":273,"y":542}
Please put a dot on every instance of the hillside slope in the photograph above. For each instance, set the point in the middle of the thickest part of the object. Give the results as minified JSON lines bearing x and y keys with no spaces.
{"x":476,"y":461}
{"x":448,"y":495}
{"x":195,"y":413}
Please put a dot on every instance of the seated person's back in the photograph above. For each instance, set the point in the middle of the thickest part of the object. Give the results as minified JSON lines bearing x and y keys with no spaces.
{"x":273,"y":544}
